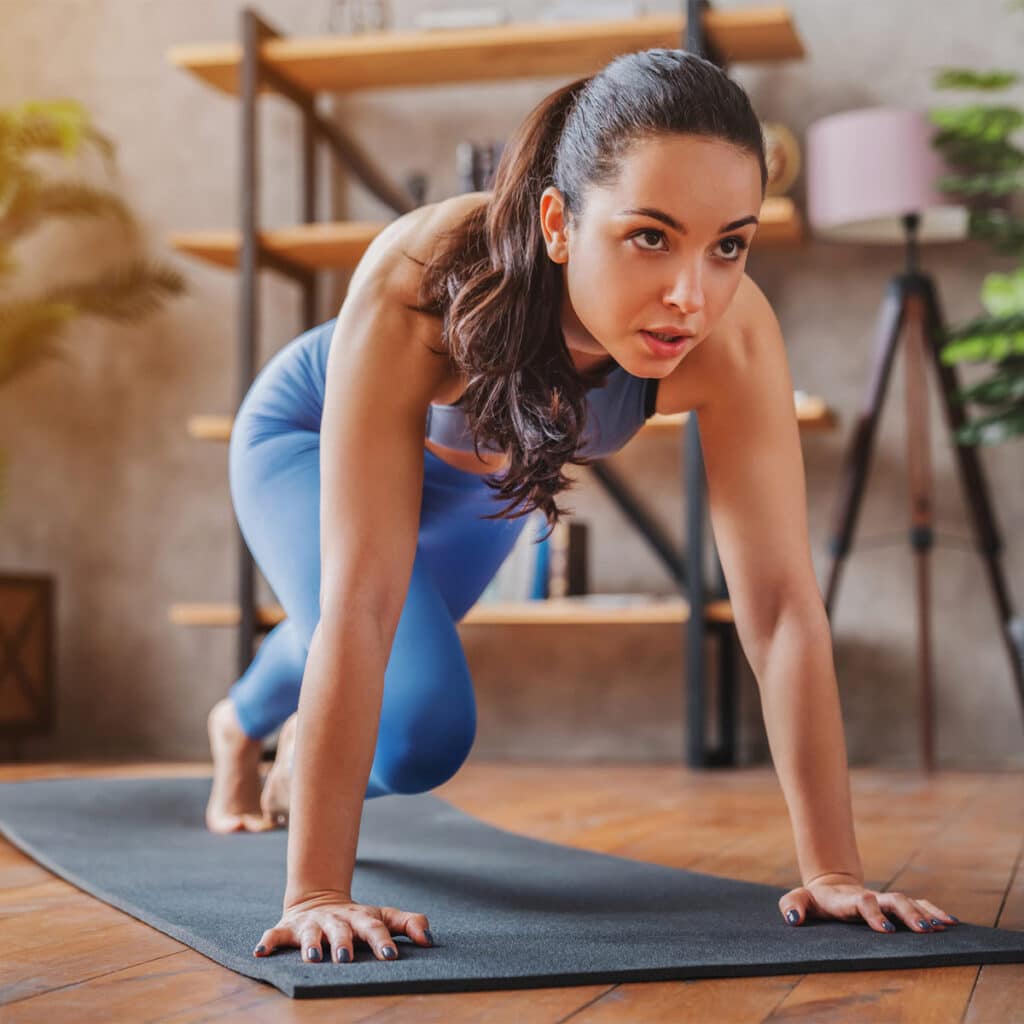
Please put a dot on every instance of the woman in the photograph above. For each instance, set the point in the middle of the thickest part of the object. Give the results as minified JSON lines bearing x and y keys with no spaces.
{"x":603,"y":280}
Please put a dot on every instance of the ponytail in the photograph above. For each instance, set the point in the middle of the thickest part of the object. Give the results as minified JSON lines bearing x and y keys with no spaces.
{"x":500,"y":298}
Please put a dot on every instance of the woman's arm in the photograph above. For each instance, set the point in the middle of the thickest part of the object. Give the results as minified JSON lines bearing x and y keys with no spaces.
{"x":757,"y":503}
{"x":803,"y":720}
{"x":758,"y":506}
{"x":381,"y":376}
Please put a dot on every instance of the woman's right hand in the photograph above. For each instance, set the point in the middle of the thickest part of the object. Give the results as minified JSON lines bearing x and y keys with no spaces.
{"x":333,"y":916}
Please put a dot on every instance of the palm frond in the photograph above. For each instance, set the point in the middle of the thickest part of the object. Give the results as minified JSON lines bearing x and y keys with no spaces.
{"x":63,"y":125}
{"x":123,"y":293}
{"x":29,"y":333}
{"x":34,"y":203}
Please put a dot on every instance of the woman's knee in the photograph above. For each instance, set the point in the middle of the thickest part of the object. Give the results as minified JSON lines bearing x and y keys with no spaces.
{"x":416,"y":763}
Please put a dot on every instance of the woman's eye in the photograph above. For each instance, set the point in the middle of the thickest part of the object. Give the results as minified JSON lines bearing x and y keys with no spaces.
{"x":739,"y":243}
{"x":649,"y":234}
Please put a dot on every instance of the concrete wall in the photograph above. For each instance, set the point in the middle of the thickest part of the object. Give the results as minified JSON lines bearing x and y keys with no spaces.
{"x":108,"y":493}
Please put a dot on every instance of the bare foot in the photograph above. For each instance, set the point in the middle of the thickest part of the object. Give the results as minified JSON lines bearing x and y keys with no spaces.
{"x":276,"y":797}
{"x":234,"y":804}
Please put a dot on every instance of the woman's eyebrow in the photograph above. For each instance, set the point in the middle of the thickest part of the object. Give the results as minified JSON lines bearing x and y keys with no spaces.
{"x":666,"y":218}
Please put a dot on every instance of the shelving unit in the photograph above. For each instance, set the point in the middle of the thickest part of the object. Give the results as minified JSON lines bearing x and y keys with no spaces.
{"x":299,"y":69}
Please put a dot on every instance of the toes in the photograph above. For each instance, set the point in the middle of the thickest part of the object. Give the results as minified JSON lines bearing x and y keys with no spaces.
{"x":223,"y":823}
{"x":257,"y":823}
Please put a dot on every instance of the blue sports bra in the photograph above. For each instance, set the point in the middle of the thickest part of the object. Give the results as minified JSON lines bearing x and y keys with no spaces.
{"x":615,"y":412}
{"x":292,"y":385}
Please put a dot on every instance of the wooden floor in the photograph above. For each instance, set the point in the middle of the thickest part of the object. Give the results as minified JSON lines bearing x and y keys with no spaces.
{"x":954,"y":838}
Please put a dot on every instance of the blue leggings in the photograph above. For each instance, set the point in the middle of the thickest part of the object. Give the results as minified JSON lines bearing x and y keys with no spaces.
{"x":428,"y":713}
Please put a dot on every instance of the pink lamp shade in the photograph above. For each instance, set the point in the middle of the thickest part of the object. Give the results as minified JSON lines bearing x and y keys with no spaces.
{"x":867,"y":169}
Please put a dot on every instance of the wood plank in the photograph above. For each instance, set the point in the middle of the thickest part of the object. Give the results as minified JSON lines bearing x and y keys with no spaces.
{"x":83,"y":952}
{"x":327,"y":246}
{"x":585,"y":610}
{"x":591,"y":609}
{"x":999,"y":992}
{"x":149,"y":991}
{"x":379,"y":60}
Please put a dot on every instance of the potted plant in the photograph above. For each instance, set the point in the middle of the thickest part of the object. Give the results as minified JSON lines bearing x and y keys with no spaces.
{"x":31,"y":329}
{"x":976,"y":140}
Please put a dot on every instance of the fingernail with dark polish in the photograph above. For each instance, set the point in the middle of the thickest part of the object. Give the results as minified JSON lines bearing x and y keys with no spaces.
{"x":261,"y":949}
{"x":313,"y":953}
{"x":935,"y":920}
{"x":390,"y":952}
{"x":344,"y":956}
{"x":792,"y":916}
{"x":925,"y":925}
{"x":889,"y":926}
{"x":430,"y":938}
{"x":954,"y":919}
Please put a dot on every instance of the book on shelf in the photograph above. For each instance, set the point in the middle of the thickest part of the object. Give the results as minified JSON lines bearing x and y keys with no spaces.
{"x":537,"y":569}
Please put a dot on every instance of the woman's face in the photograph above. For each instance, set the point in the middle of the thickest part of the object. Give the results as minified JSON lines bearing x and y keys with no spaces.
{"x":648,"y":252}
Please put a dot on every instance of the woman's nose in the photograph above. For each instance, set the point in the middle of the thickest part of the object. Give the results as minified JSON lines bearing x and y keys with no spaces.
{"x":687,"y":296}
{"x":686,"y":292}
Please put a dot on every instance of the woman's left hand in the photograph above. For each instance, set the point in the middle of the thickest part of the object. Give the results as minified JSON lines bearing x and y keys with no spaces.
{"x":841,"y":896}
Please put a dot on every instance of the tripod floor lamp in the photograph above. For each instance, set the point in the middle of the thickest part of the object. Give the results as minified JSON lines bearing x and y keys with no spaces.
{"x":871,"y":178}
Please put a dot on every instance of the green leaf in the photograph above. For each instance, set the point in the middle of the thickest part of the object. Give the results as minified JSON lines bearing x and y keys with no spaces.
{"x":992,"y":183}
{"x":972,"y":154}
{"x":1005,"y":385}
{"x":980,"y":122}
{"x":989,"y":346}
{"x":995,"y":429}
{"x":968,"y":78}
{"x":1003,"y":231}
{"x":1003,"y":294}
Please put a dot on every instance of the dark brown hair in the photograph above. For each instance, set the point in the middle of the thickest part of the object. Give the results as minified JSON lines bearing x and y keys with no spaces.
{"x":500,"y":296}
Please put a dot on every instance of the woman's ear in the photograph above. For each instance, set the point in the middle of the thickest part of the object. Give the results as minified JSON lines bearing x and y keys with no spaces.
{"x":554,"y":222}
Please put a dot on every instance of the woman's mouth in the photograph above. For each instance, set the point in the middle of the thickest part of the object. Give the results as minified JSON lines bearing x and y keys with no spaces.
{"x":666,"y":345}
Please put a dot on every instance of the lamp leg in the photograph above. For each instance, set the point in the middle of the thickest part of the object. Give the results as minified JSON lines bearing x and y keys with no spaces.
{"x":858,"y":455}
{"x":919,"y":477}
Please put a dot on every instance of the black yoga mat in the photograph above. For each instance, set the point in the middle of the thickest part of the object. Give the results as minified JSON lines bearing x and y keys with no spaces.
{"x":506,"y":911}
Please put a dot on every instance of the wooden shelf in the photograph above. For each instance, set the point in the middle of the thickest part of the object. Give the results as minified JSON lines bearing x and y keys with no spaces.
{"x":591,"y":609}
{"x":812,"y":413}
{"x":210,"y":428}
{"x":381,"y":60}
{"x":316,"y":246}
{"x":340,"y":245}
{"x":578,"y":611}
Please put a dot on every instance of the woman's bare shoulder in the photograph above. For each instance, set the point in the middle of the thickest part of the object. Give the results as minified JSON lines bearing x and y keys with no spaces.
{"x":386,"y":286}
{"x":396,"y":256}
